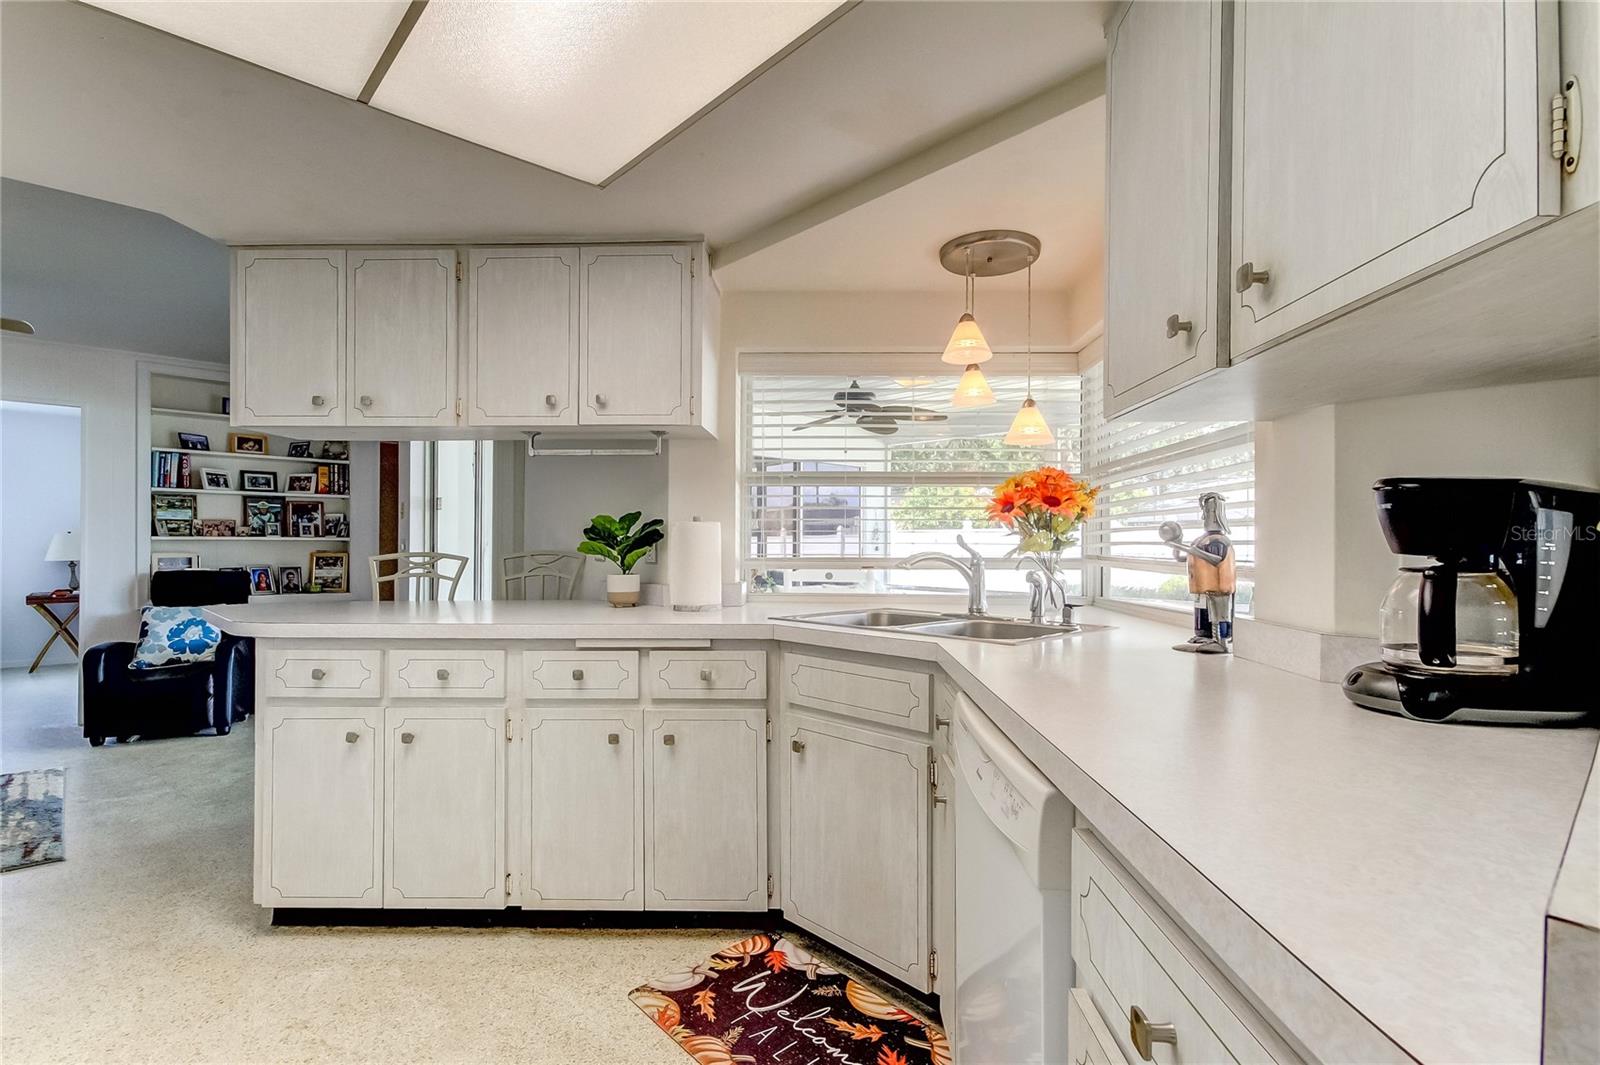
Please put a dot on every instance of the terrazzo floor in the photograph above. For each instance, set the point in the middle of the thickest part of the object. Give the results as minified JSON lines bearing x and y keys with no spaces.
{"x":144,"y":946}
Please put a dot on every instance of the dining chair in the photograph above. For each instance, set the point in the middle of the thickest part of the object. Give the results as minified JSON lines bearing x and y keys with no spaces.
{"x":558,"y":573}
{"x":421,"y":566}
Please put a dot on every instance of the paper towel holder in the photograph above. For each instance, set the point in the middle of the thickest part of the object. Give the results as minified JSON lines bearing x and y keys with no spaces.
{"x":686,"y":608}
{"x":534,"y":451}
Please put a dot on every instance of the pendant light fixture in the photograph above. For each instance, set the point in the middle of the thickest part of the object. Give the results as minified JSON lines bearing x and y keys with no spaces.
{"x":1028,"y":428}
{"x":987,"y":253}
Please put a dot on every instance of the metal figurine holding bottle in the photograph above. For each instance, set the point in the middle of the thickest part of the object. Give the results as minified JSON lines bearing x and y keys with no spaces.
{"x":1211,"y":577}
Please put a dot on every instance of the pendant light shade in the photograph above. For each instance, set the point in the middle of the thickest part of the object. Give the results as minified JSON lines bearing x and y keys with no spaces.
{"x":1028,"y":428}
{"x":972,"y":390}
{"x":967,"y":346}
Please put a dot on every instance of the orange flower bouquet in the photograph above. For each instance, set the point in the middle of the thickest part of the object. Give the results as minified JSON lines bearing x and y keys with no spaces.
{"x":1044,"y":507}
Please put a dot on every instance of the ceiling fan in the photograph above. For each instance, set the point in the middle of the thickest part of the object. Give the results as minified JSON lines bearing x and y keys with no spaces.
{"x":855,"y":403}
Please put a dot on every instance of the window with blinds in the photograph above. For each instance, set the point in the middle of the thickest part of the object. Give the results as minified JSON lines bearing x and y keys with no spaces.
{"x":854,"y":463}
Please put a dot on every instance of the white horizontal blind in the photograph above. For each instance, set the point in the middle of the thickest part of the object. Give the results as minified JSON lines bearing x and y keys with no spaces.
{"x":836,"y":480}
{"x":1151,"y":472}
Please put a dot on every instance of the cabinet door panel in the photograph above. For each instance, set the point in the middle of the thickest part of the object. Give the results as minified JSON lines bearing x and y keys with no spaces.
{"x":522,"y":336}
{"x":584,"y":810}
{"x":288,"y":337}
{"x":705,"y":809}
{"x":1163,"y":90}
{"x":323,"y":826}
{"x":635,"y":336}
{"x":402,"y":336}
{"x":444,"y":808}
{"x":856,"y":869}
{"x":1361,"y":157}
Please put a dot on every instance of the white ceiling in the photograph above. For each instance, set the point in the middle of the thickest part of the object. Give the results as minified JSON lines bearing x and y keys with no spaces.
{"x":1048,"y":181}
{"x":97,"y":105}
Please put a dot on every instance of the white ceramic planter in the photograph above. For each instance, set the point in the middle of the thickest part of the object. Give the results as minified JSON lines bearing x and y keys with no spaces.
{"x":622,"y":589}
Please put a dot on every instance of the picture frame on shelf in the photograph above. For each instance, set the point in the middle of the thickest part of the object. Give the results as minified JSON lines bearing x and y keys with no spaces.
{"x":258,"y":481}
{"x":216,"y":480}
{"x":262,"y":581}
{"x":301,"y":482}
{"x":289,"y":581}
{"x":247,"y":444}
{"x":336,"y":526}
{"x":263,"y":515}
{"x":299,"y":449}
{"x":305,"y":518}
{"x":172,"y":513}
{"x":173,"y":560}
{"x":216,"y":527}
{"x":194,"y":442}
{"x":335,"y":449}
{"x":329,"y":570}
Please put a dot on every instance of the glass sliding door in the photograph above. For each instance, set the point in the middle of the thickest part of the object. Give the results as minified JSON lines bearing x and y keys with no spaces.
{"x":450,"y":510}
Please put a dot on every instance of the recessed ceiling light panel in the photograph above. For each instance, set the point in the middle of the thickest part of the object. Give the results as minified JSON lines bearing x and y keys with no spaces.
{"x":333,"y":44}
{"x":581,"y":88}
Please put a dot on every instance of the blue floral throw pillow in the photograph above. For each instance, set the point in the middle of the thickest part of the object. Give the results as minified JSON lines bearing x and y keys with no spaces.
{"x":174,"y":636}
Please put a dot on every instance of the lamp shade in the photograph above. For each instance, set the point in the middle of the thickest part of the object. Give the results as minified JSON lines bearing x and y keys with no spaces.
{"x":1028,"y":428}
{"x":972,"y":390}
{"x":63,"y":547}
{"x":967,"y":346}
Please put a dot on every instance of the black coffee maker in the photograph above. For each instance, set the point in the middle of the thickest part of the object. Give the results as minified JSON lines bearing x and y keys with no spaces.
{"x":1500,"y":621}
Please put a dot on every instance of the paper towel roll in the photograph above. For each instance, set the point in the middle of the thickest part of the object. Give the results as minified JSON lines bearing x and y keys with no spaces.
{"x":694,"y":565}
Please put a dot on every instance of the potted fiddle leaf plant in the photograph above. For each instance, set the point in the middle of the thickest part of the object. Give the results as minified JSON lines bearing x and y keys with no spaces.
{"x":623,"y":542}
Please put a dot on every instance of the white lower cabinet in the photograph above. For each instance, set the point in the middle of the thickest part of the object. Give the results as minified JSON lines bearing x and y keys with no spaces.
{"x":583,"y":809}
{"x":321,"y":798}
{"x":444,"y":808}
{"x":856,"y":822}
{"x":705,"y":802}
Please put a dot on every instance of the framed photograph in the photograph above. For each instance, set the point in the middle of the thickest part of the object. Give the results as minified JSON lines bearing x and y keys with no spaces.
{"x":335,"y":449}
{"x":262,"y":582}
{"x":329,"y":570}
{"x":299,"y":449}
{"x":305,"y":518}
{"x":263,"y":516}
{"x":194,"y":442}
{"x":215,"y":480}
{"x":173,"y":513}
{"x":289,"y":580}
{"x":246,"y":443}
{"x":301,"y":482}
{"x":336,"y":525}
{"x":258,"y":480}
{"x":216,"y":527}
{"x":173,"y":560}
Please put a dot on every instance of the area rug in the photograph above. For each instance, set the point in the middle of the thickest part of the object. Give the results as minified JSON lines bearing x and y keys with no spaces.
{"x":766,"y":1000}
{"x":31,"y":805}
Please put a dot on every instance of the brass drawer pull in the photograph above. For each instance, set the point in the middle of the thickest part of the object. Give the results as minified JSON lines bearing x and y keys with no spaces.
{"x":797,"y":746}
{"x":1247,"y":277}
{"x":1146,"y":1034}
{"x":1176,"y":325}
{"x":351,"y":737}
{"x":407,"y":737}
{"x":577,"y":674}
{"x":613,"y":739}
{"x":668,"y":740}
{"x":705,"y":674}
{"x":318,"y":674}
{"x":442,"y":674}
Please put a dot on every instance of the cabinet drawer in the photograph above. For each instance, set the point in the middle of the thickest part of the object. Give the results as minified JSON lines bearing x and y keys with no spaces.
{"x":1129,"y":954}
{"x":569,"y":675}
{"x":870,"y":693}
{"x":1087,"y":1035}
{"x":708,"y":675}
{"x":317,"y":674}
{"x":459,"y":675}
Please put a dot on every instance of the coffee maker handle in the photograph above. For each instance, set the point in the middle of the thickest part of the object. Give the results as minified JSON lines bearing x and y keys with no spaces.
{"x":1436,"y":627}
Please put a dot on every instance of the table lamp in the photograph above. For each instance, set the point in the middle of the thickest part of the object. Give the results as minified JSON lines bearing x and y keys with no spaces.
{"x":64,"y":548}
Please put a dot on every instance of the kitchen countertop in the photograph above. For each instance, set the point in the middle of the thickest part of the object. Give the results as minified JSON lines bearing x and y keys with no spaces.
{"x":1376,"y":885}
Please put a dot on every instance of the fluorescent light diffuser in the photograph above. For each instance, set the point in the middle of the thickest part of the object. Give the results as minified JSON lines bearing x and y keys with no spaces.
{"x":581,"y":88}
{"x":333,"y":44}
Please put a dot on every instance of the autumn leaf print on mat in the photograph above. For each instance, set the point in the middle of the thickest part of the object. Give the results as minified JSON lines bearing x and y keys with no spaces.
{"x":770,"y":1001}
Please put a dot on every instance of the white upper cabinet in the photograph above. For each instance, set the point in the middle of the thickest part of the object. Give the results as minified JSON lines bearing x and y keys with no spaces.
{"x":522,"y":336}
{"x":636,"y":328}
{"x":402,"y":336}
{"x":1371,"y":142}
{"x":1164,"y":70}
{"x":288,"y":336}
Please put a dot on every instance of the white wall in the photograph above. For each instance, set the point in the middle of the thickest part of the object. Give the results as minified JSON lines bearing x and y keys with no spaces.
{"x":1323,"y":564}
{"x":562,"y":494}
{"x":40,"y":495}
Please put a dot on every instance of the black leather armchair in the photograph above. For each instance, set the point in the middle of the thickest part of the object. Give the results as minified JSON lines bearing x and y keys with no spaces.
{"x":173,"y":700}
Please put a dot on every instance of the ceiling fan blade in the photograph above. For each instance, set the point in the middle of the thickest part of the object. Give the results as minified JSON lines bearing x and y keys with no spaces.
{"x":912,"y":414}
{"x":819,"y":421}
{"x":873,"y":423}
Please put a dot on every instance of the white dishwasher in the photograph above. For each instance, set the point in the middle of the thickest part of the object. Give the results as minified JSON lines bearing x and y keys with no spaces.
{"x":1013,"y":956}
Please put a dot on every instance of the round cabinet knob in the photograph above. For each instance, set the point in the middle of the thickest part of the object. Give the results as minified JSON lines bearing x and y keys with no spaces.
{"x":318,"y":674}
{"x":407,"y":737}
{"x":599,"y":399}
{"x":613,"y":739}
{"x":442,"y":674}
{"x":316,"y":401}
{"x":1247,"y":276}
{"x":550,"y":399}
{"x":351,"y":737}
{"x":797,"y":746}
{"x":1176,"y":325}
{"x":366,"y":401}
{"x":705,"y":674}
{"x":1145,"y":1033}
{"x":577,"y":674}
{"x":668,"y":740}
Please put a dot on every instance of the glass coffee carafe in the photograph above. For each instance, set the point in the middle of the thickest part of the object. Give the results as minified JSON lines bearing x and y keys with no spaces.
{"x":1438,"y":619}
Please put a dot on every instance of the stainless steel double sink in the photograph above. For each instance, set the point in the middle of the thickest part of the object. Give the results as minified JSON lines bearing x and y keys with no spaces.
{"x":950,"y":626}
